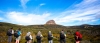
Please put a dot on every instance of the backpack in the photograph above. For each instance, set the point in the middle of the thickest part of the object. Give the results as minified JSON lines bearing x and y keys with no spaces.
{"x":38,"y":37}
{"x":50,"y":37}
{"x":27,"y":38}
{"x":19,"y":33}
{"x":9,"y":33}
{"x":62,"y":36}
{"x":16,"y":34}
{"x":80,"y":36}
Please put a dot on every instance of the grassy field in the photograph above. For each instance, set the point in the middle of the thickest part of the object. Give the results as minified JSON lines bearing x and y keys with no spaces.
{"x":90,"y":35}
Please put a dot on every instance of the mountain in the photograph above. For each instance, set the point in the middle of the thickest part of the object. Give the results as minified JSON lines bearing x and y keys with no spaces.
{"x":50,"y":22}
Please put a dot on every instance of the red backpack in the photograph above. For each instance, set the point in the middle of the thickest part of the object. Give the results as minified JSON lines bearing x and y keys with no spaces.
{"x":80,"y":36}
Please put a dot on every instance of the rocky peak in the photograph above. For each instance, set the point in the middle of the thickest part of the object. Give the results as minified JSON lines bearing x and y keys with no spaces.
{"x":51,"y":22}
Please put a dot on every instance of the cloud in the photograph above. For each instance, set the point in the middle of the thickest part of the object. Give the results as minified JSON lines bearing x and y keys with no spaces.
{"x":26,"y":18}
{"x":97,"y":16}
{"x":86,"y":3}
{"x":42,"y":4}
{"x":23,"y":3}
{"x":36,"y":10}
{"x":1,"y":18}
{"x":85,"y":11}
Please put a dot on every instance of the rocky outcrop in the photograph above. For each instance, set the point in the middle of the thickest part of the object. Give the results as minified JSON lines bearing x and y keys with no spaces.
{"x":50,"y":22}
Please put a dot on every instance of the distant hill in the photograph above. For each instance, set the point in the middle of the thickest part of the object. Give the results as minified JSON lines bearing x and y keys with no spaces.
{"x":47,"y":25}
{"x":89,"y":26}
{"x":8,"y":24}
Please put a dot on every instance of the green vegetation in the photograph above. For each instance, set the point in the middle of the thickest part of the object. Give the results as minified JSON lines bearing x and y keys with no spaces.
{"x":90,"y":34}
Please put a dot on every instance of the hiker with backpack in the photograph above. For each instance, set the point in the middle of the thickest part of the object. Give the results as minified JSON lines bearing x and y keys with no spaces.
{"x":18,"y":35}
{"x":10,"y":32}
{"x":78,"y":36}
{"x":39,"y":37}
{"x":50,"y":37}
{"x":62,"y":37}
{"x":28,"y":37}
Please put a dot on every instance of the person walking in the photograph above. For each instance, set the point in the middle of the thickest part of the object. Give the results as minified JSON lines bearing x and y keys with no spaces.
{"x":50,"y":37}
{"x":39,"y":37}
{"x":62,"y":37}
{"x":28,"y":37}
{"x":10,"y":32}
{"x":78,"y":36}
{"x":19,"y":36}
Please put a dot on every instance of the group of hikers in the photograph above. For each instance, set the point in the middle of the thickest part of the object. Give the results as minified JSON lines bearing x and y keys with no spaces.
{"x":17,"y":35}
{"x":28,"y":37}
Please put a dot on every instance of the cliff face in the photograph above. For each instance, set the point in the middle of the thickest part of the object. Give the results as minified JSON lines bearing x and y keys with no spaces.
{"x":50,"y":22}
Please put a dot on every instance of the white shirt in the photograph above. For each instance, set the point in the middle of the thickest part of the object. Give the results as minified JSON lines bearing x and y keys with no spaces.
{"x":12,"y":31}
{"x":30,"y":37}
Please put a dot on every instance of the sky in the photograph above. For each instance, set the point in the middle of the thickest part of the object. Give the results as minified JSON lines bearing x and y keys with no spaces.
{"x":63,"y":12}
